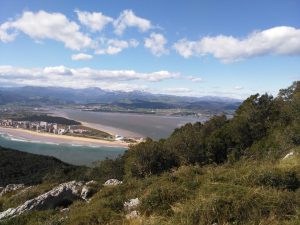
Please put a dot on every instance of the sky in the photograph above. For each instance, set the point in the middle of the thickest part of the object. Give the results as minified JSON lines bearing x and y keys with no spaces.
{"x":231,"y":48}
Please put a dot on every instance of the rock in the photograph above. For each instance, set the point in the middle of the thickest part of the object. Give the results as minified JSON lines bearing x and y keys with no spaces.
{"x":131,"y":204}
{"x":85,"y":192}
{"x":112,"y":182}
{"x":62,"y":195}
{"x":288,"y":155}
{"x":10,"y":188}
{"x":91,"y":182}
{"x":133,"y":215}
{"x":65,"y":210}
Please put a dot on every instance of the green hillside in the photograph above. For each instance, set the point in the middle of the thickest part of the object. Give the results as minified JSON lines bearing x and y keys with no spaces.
{"x":220,"y":172}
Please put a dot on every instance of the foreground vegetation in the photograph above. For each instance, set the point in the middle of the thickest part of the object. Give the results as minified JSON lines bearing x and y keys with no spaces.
{"x":223,"y":171}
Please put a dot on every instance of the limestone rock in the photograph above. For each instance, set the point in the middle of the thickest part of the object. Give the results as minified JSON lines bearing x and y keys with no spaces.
{"x":61,"y":195}
{"x":10,"y":188}
{"x":131,"y":204}
{"x":112,"y":182}
{"x":133,"y":215}
{"x":85,"y":192}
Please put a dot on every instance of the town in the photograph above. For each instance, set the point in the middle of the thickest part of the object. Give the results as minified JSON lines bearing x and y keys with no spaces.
{"x":41,"y":126}
{"x":61,"y":129}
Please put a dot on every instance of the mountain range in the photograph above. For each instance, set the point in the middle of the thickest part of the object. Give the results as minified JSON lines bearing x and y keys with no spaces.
{"x":135,"y":99}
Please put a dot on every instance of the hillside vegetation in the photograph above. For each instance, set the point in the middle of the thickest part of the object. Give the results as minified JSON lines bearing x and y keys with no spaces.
{"x":220,"y":172}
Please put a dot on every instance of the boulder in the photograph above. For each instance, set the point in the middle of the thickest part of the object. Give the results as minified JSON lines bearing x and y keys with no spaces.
{"x":10,"y":188}
{"x":131,"y":204}
{"x":62,"y":195}
{"x":112,"y":182}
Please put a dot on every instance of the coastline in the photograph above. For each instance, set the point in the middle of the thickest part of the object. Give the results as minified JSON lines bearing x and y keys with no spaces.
{"x":60,"y":139}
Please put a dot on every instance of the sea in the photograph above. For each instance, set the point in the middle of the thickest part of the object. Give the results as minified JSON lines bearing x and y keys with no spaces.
{"x":152,"y":126}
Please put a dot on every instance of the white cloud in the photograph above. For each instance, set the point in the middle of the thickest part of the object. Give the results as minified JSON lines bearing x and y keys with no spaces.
{"x":4,"y":35}
{"x":114,"y":46}
{"x":96,"y":21}
{"x":238,"y":88}
{"x":156,"y":44}
{"x":194,"y":79}
{"x":44,"y":25}
{"x":275,"y":41}
{"x":77,"y":78}
{"x":81,"y":56}
{"x":128,"y":19}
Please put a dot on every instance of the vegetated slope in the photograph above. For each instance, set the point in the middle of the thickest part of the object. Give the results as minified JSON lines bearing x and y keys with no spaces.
{"x":21,"y":167}
{"x":223,"y":171}
{"x":49,"y":119}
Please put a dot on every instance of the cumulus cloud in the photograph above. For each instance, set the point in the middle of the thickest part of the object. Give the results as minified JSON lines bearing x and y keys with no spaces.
{"x":44,"y":25}
{"x":4,"y":35}
{"x":128,"y":19}
{"x":69,"y":77}
{"x":115,"y":46}
{"x":274,"y":41}
{"x":96,"y":21}
{"x":81,"y":56}
{"x":156,"y":44}
{"x":194,"y":79}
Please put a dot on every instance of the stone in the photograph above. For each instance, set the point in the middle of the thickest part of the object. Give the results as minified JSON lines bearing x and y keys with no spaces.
{"x":85,"y":192}
{"x":131,"y":204}
{"x":91,"y":182}
{"x":10,"y":188}
{"x":133,"y":215}
{"x":112,"y":182}
{"x":62,"y":195}
{"x":288,"y":155}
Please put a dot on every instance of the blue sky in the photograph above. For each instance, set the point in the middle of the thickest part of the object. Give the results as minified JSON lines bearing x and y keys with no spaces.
{"x":225,"y":48}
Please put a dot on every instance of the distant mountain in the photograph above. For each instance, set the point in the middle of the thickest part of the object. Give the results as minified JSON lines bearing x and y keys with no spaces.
{"x":134,"y":99}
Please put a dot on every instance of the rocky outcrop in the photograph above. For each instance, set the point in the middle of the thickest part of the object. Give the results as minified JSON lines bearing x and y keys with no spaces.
{"x":10,"y":188}
{"x":62,"y":195}
{"x":112,"y":182}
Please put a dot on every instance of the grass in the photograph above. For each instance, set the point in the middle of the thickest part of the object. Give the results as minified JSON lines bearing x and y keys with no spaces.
{"x":234,"y":193}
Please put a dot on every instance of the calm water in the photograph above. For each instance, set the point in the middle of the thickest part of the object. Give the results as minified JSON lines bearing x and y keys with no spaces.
{"x":77,"y":155}
{"x":146,"y":125}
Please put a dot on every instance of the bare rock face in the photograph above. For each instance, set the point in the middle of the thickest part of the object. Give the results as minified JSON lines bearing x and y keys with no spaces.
{"x":62,"y":195}
{"x":10,"y":188}
{"x":112,"y":182}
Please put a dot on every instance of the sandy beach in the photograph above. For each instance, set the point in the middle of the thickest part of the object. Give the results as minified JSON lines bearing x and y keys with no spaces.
{"x":59,"y":139}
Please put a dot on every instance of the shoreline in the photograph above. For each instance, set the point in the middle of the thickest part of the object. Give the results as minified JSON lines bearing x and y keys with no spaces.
{"x":60,"y":139}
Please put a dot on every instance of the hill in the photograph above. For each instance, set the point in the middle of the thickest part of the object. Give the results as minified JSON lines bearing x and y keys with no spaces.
{"x":244,"y":170}
{"x":21,"y":167}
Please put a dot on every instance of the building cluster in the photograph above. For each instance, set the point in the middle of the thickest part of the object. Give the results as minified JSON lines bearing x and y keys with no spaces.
{"x":41,"y":126}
